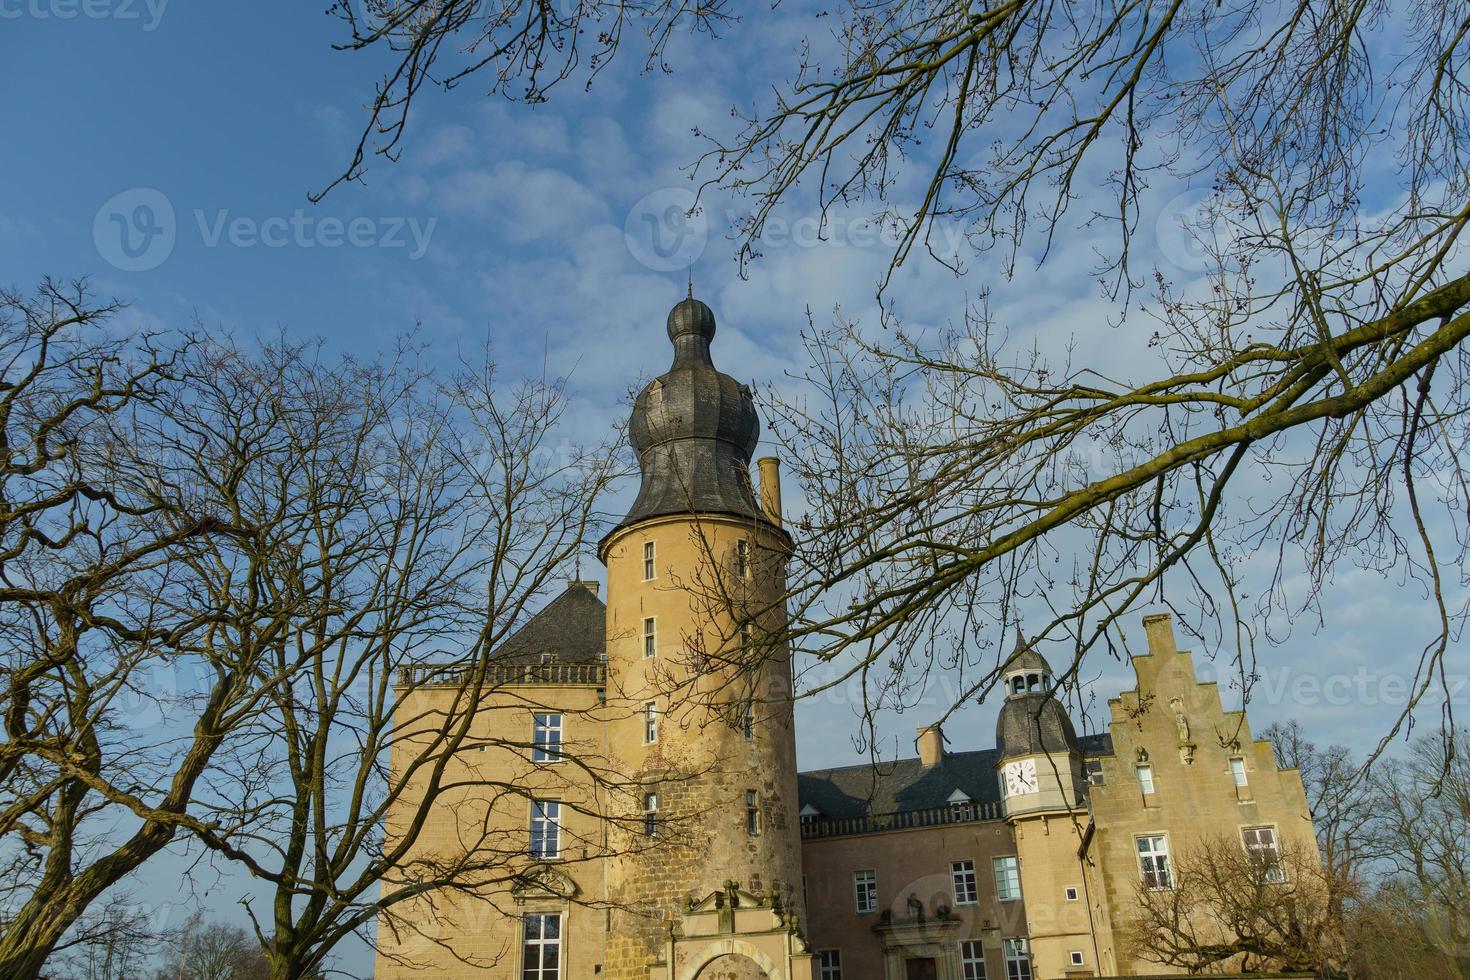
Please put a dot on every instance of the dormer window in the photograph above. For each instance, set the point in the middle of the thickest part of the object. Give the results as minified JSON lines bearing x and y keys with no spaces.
{"x":961,"y":807}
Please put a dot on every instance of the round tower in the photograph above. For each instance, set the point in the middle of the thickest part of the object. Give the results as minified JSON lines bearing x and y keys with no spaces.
{"x":699,"y":686}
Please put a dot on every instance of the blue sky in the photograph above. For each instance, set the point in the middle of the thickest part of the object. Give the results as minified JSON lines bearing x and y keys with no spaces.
{"x":532,"y":228}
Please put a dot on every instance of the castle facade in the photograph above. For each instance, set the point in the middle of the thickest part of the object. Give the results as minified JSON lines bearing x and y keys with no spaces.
{"x":634,"y":763}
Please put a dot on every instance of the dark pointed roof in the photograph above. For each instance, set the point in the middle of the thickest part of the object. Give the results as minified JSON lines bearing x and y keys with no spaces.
{"x":694,"y":429}
{"x":572,"y":628}
{"x":1025,"y":658}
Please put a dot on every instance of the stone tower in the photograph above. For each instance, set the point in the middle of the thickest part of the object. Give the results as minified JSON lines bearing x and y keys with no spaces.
{"x":1043,"y":780}
{"x":698,"y":698}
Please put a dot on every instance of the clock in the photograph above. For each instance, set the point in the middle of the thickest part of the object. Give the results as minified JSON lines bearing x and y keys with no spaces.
{"x":1019,"y":778}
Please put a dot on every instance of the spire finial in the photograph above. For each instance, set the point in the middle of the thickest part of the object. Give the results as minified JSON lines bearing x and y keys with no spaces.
{"x":691,"y":282}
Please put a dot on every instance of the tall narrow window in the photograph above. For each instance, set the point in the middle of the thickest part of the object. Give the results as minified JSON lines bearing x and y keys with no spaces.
{"x":1237,"y":771}
{"x":546,"y":738}
{"x":972,"y":959}
{"x":742,"y":558}
{"x":650,"y":722}
{"x":1260,"y":845}
{"x":541,"y":947}
{"x":1018,"y":959}
{"x":747,"y":720}
{"x":745,"y":642}
{"x":545,"y":829}
{"x":1007,"y":878}
{"x":647,"y":560}
{"x":829,"y":964}
{"x":1153,"y":863}
{"x":650,"y":814}
{"x":752,"y":813}
{"x":650,"y":640}
{"x":962,"y":873}
{"x":1146,"y":778}
{"x":865,"y":890}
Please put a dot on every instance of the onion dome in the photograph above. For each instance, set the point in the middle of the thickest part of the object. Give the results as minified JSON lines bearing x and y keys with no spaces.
{"x":1032,"y":720}
{"x":694,"y":429}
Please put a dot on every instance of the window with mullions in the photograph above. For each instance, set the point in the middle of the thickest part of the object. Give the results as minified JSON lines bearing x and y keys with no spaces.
{"x":650,"y":638}
{"x":1153,"y":863}
{"x":1018,"y":958}
{"x":1007,"y":878}
{"x":972,"y":959}
{"x":829,"y":964}
{"x":742,"y":558}
{"x":546,"y":738}
{"x":648,"y":555}
{"x":650,"y":814}
{"x":1260,"y":845}
{"x":865,"y":889}
{"x":962,"y":873}
{"x":545,"y":830}
{"x":541,"y":947}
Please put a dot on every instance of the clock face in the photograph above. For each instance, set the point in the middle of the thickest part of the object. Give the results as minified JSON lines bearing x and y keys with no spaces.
{"x":1020,"y":777}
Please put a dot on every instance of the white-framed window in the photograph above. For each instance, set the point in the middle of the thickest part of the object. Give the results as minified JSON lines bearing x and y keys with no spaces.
{"x":1007,"y":878}
{"x":650,"y":637}
{"x":650,"y":723}
{"x":545,"y":830}
{"x":742,"y":558}
{"x":541,"y":947}
{"x":650,"y":814}
{"x":1153,"y":862}
{"x":829,"y":964}
{"x":1237,"y":772}
{"x":1075,"y":958}
{"x":546,"y":738}
{"x":1146,"y":778}
{"x":1260,"y":845}
{"x":747,"y":720}
{"x":1018,"y":958}
{"x":1071,"y":893}
{"x":865,"y":890}
{"x":962,"y":873}
{"x":752,"y":812}
{"x":972,"y":959}
{"x":648,"y":564}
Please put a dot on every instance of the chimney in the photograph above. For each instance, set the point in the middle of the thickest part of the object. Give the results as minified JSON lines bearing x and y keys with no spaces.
{"x":770,"y":468}
{"x":931,"y":745}
{"x":589,"y":584}
{"x":1160,"y":630}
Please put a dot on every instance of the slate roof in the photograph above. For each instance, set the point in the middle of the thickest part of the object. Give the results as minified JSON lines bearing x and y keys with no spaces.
{"x":853,"y":791}
{"x":572,"y":628}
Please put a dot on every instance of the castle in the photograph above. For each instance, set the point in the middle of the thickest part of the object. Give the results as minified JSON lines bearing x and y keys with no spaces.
{"x":638,"y":771}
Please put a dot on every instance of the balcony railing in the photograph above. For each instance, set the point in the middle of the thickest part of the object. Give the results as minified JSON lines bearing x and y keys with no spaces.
{"x":877,"y":823}
{"x":548,"y":674}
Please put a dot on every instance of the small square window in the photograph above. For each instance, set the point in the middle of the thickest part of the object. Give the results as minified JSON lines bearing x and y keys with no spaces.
{"x":1076,"y":957}
{"x":1071,"y":894}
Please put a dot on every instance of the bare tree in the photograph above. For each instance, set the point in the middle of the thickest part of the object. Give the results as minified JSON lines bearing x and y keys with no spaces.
{"x":115,"y":941}
{"x":1342,"y":799}
{"x":1224,"y":907}
{"x":91,"y":571}
{"x":403,"y":528}
{"x":215,"y":951}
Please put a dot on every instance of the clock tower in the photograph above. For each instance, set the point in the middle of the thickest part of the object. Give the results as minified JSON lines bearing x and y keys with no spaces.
{"x":1042,"y":782}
